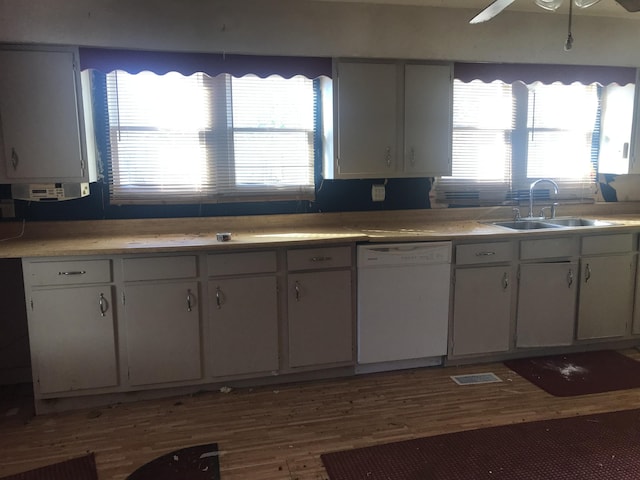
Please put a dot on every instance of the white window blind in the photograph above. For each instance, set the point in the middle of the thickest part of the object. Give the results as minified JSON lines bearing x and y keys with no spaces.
{"x":192,"y":139}
{"x":483,"y":120}
{"x":505,"y":136}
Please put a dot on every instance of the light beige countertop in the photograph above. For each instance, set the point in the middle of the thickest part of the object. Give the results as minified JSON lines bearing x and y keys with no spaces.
{"x":105,"y":237}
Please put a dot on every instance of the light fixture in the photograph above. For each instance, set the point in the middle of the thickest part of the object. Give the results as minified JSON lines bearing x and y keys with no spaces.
{"x":552,"y":5}
{"x":585,"y":3}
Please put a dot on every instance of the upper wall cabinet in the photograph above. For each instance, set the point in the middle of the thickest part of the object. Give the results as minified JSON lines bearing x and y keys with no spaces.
{"x":393,"y":119}
{"x":41,"y":116}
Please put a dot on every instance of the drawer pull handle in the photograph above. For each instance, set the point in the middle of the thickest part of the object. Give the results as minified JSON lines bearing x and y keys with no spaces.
{"x":103,"y":305}
{"x":76,"y":272}
{"x":321,"y":259}
{"x":485,"y":254}
{"x":189,"y":301}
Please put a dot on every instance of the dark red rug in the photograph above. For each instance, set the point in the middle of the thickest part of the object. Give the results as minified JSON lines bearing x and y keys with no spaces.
{"x":579,"y":373}
{"x":193,"y":463}
{"x":81,"y":468}
{"x":594,"y":447}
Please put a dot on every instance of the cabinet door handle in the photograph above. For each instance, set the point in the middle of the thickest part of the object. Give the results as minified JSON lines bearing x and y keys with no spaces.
{"x":485,"y":254}
{"x":103,"y":305}
{"x":15,"y":159}
{"x":387,"y":156}
{"x":219,"y":298}
{"x":587,"y":273}
{"x":189,"y":301}
{"x":74,"y":272}
{"x":505,"y":281}
{"x":412,"y":156}
{"x":297,"y":289}
{"x":570,"y":278}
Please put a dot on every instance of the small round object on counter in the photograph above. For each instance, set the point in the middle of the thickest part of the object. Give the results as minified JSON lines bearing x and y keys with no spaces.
{"x":223,"y":236}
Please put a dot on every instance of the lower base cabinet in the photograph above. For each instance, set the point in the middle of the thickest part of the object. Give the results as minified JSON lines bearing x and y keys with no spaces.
{"x":606,"y":296}
{"x":482,"y":310}
{"x":72,"y":338}
{"x":243,"y":314}
{"x":320,"y":318}
{"x":162,"y":332}
{"x":546,"y":304}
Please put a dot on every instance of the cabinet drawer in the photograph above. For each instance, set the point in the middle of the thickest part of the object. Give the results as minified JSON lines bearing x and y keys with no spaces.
{"x":560,"y":247}
{"x":69,"y":272}
{"x":618,"y":243}
{"x":484,"y":253}
{"x":241,"y":263}
{"x":159,"y":268}
{"x":317,"y":258}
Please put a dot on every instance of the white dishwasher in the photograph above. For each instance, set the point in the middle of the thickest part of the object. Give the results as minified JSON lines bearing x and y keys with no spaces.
{"x":403,"y":302}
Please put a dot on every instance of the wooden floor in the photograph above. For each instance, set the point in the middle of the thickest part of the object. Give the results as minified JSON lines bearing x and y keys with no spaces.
{"x":277,"y":433}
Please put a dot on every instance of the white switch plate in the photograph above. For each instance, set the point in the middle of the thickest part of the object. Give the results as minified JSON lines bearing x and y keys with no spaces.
{"x":377,"y":193}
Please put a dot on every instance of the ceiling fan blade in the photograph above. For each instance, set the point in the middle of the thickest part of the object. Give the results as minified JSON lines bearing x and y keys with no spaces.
{"x":492,"y":10}
{"x":630,"y":5}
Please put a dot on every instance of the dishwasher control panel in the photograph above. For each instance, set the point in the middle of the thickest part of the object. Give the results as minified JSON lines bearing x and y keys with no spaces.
{"x":419,"y":253}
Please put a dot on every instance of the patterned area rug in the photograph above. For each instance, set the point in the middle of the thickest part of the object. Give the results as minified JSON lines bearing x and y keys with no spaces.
{"x":81,"y":468}
{"x":579,"y":373}
{"x":594,"y":447}
{"x":193,"y":463}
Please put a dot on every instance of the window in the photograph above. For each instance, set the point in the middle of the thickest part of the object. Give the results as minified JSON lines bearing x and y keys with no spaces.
{"x":190,"y":139}
{"x":505,"y":136}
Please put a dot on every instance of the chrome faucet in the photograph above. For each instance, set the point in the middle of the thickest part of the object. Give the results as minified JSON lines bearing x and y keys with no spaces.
{"x":553,"y":206}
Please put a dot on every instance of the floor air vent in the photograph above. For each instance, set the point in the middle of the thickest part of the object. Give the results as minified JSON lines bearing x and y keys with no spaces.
{"x":475,"y":378}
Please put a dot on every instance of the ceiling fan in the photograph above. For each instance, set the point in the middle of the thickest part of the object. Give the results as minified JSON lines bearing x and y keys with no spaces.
{"x":499,"y":5}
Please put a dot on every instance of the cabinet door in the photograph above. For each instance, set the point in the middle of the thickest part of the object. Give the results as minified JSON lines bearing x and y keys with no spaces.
{"x":482,"y":310}
{"x":243,"y":314}
{"x":546,"y":304}
{"x":320,"y":318}
{"x":39,"y":111}
{"x":163,"y":332}
{"x":606,"y":289}
{"x":427,"y":120}
{"x":72,"y":337}
{"x":367,"y":120}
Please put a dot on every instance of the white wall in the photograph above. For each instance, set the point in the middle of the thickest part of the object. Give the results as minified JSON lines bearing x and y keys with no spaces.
{"x":307,"y":27}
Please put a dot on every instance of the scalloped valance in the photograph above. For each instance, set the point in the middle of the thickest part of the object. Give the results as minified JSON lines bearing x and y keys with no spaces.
{"x":187,"y":63}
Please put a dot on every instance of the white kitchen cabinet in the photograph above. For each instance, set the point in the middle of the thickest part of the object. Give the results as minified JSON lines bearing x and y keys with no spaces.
{"x":547,"y":291}
{"x":546,"y":313}
{"x":162,"y":319}
{"x":71,"y":319}
{"x":374,"y":139}
{"x":482,"y":310}
{"x":482,"y":298}
{"x":41,"y":115}
{"x":607,"y":270}
{"x":320,"y":307}
{"x":243,"y":313}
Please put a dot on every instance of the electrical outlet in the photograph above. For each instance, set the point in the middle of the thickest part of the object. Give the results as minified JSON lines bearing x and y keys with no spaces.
{"x":7,"y":209}
{"x":377,"y":193}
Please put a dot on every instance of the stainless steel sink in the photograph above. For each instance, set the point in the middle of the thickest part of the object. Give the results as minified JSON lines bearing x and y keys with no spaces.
{"x":525,"y":225}
{"x":577,"y":222}
{"x":535,"y":224}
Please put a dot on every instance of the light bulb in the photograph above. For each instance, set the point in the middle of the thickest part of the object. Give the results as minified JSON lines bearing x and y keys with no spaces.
{"x":550,"y":4}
